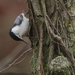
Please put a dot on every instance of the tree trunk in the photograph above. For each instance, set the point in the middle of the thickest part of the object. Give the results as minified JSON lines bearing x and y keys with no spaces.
{"x":52,"y":34}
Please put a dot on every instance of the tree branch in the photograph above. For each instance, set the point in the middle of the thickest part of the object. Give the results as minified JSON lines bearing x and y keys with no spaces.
{"x":31,"y":9}
{"x":40,"y":61}
{"x":58,"y":38}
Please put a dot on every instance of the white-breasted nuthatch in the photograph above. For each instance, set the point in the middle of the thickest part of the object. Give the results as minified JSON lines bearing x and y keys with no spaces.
{"x":20,"y":28}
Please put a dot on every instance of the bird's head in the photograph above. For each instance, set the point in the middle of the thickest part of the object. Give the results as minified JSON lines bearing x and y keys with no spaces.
{"x":22,"y":14}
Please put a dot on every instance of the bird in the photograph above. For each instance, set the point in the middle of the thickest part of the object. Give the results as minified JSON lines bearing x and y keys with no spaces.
{"x":20,"y":28}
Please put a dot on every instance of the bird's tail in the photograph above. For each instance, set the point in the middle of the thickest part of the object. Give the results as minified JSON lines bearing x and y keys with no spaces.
{"x":24,"y":41}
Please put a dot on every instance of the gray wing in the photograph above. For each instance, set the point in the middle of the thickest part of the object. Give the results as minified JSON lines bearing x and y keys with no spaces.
{"x":18,"y":20}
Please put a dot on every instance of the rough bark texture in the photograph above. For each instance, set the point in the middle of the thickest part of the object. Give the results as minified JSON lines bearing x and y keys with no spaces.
{"x":52,"y":34}
{"x":60,"y":66}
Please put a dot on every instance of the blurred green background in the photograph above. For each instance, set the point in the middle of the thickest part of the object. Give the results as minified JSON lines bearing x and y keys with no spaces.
{"x":10,"y":49}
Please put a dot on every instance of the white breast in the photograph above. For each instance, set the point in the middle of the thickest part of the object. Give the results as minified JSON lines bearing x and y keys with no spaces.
{"x":16,"y":29}
{"x":24,"y":27}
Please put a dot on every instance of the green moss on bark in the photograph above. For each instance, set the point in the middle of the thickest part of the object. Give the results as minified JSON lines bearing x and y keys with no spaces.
{"x":60,"y":66}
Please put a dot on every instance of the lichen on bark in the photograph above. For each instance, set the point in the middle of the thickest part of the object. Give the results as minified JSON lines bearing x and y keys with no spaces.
{"x":50,"y":29}
{"x":60,"y":66}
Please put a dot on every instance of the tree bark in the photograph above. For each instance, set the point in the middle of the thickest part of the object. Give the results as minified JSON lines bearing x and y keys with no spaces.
{"x":49,"y":34}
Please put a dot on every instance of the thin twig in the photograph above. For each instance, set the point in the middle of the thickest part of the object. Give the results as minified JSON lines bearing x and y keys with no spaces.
{"x":34,"y":20}
{"x":63,"y":27}
{"x":20,"y":60}
{"x":15,"y":60}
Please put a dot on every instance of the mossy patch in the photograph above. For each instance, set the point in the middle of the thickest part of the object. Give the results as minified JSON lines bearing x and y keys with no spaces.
{"x":60,"y":66}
